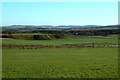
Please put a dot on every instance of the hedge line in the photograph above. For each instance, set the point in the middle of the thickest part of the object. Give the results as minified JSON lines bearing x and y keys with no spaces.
{"x":34,"y":37}
{"x":87,"y":45}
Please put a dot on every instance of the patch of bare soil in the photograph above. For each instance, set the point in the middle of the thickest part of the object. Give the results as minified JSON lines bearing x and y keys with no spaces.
{"x":6,"y":39}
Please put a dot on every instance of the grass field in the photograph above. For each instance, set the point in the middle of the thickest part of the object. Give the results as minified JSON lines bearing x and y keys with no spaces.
{"x":69,"y":40}
{"x":60,"y":63}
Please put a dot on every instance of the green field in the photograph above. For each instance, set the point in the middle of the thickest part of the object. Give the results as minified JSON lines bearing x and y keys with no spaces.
{"x":60,"y":63}
{"x":69,"y":40}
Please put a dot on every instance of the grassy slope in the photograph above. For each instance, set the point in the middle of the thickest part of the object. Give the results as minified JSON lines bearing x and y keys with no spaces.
{"x":70,"y":40}
{"x":57,"y":63}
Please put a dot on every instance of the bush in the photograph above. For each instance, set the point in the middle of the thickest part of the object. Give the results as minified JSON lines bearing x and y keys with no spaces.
{"x":25,"y":37}
{"x":34,"y":36}
{"x":59,"y":35}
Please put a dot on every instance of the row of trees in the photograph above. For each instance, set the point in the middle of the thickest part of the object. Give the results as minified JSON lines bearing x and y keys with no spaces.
{"x":37,"y":31}
{"x":100,"y":32}
{"x":96,"y":32}
{"x":34,"y":37}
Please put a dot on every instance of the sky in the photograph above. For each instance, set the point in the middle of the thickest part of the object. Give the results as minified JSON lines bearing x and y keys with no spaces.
{"x":60,"y":0}
{"x":59,"y":13}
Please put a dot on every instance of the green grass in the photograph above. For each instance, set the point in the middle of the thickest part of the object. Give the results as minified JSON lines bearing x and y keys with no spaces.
{"x":69,"y":40}
{"x":60,"y":63}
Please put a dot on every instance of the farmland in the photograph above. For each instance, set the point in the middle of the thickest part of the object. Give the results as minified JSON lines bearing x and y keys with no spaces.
{"x":70,"y":40}
{"x":60,"y":54}
{"x":67,"y":42}
{"x":60,"y":63}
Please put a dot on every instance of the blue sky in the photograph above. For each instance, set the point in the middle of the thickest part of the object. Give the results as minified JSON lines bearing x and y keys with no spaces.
{"x":59,"y":13}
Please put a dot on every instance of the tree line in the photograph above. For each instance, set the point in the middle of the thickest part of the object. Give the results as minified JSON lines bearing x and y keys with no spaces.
{"x":96,"y":32}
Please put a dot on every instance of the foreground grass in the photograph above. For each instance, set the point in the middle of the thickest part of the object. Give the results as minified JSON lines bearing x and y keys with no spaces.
{"x":60,"y":63}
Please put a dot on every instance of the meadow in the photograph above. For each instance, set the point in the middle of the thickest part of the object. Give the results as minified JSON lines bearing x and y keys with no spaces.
{"x":60,"y":63}
{"x":69,"y":40}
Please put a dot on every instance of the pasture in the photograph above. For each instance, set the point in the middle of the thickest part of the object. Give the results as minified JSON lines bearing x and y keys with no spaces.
{"x":69,"y":40}
{"x":60,"y":63}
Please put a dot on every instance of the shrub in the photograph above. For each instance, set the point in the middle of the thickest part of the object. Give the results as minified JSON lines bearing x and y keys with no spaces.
{"x":34,"y":36}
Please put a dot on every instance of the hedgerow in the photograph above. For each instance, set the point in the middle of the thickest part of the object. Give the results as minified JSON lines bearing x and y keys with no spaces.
{"x":34,"y":36}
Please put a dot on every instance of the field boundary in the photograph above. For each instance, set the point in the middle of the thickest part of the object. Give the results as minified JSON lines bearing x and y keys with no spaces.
{"x":60,"y":78}
{"x":12,"y":46}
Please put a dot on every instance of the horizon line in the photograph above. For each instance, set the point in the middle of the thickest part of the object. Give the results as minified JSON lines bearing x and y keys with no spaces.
{"x":59,"y":25}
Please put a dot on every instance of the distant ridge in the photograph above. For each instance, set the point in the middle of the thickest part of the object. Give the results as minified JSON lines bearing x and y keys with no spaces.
{"x":67,"y":26}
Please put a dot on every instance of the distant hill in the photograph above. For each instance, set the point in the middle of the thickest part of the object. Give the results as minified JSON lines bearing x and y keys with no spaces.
{"x":67,"y":26}
{"x":79,"y":26}
{"x":64,"y":27}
